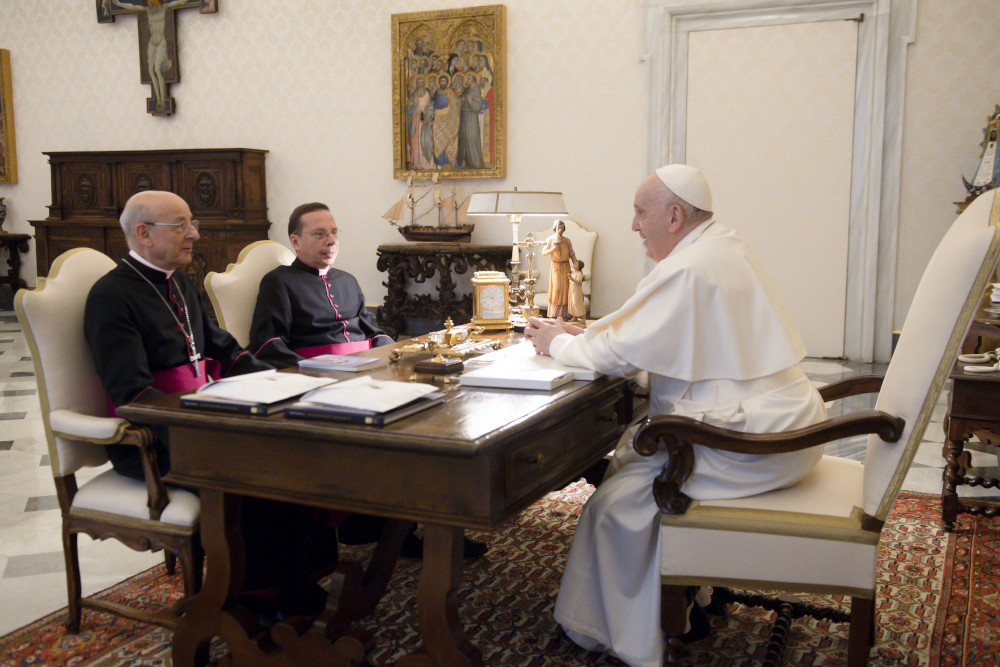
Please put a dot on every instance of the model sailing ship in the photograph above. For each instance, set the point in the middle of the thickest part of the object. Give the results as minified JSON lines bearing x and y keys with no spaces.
{"x":449,"y":214}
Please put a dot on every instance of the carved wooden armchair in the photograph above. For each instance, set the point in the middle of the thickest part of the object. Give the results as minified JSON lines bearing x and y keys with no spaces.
{"x":821,"y":535}
{"x":143,"y":515}
{"x":233,"y":292}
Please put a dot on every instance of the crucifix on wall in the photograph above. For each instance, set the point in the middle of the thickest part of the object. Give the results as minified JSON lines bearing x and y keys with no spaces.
{"x":158,"y":64}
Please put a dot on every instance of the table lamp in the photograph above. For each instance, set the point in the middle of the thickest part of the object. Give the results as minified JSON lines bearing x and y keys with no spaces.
{"x":516,"y":204}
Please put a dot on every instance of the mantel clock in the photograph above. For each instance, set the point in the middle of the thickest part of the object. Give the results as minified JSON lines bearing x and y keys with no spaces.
{"x":490,"y":306}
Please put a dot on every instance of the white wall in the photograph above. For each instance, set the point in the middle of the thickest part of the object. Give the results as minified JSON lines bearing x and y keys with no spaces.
{"x":309,"y":81}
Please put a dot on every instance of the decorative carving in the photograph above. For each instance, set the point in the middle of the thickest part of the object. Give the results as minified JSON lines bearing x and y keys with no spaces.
{"x":420,"y":262}
{"x":142,"y":183}
{"x":85,"y":190}
{"x":205,"y":188}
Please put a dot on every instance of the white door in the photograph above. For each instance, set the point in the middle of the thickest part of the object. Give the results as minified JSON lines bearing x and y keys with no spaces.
{"x":770,"y":115}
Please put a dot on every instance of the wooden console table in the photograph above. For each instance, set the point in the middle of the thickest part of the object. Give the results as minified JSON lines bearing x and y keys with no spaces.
{"x":974,"y":409}
{"x":410,"y":263}
{"x":15,"y":244}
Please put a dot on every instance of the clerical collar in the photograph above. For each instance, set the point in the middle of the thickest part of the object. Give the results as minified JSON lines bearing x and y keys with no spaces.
{"x":134,"y":255}
{"x":692,"y":236}
{"x":302,"y":266}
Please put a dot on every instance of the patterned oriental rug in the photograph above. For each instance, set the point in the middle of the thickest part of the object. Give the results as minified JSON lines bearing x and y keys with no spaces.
{"x":938,"y":603}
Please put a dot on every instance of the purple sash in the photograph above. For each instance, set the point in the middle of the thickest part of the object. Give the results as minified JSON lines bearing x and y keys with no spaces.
{"x":334,"y":348}
{"x":178,"y":379}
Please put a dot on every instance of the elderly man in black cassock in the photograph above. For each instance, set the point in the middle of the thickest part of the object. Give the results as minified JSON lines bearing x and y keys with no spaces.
{"x":310,"y":308}
{"x":149,"y":336}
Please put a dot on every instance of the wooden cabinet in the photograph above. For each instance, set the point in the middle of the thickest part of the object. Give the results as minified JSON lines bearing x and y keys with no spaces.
{"x":224,"y":187}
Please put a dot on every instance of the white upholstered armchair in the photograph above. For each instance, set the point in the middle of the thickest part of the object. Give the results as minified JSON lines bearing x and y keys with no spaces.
{"x":821,"y":535}
{"x":142,"y":515}
{"x":233,"y":292}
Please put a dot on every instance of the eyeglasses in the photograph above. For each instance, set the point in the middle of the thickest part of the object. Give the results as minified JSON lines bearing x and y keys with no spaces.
{"x":320,"y":235}
{"x":182,"y":227}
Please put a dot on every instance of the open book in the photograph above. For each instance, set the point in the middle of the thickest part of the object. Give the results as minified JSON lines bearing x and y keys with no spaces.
{"x":258,"y":393}
{"x":365,"y":400}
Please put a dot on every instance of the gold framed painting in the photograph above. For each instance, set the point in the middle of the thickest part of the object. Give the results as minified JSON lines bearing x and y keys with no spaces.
{"x":449,"y":93}
{"x":8,"y":157}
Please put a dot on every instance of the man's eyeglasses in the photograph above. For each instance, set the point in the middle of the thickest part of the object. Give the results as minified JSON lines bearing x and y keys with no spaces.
{"x":182,"y":227}
{"x":320,"y":235}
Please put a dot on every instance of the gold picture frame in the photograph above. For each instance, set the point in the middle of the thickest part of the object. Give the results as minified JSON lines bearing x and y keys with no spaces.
{"x":8,"y":156}
{"x":434,"y":130}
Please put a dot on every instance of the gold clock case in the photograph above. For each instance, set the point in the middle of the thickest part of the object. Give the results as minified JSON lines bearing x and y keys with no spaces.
{"x":484,"y":281}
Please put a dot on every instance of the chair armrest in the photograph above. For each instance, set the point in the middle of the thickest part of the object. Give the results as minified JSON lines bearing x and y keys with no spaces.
{"x":116,"y":431}
{"x":852,"y":386}
{"x":678,"y":434}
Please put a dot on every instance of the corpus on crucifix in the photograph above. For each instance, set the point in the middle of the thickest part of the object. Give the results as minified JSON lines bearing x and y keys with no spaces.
{"x":158,"y":64}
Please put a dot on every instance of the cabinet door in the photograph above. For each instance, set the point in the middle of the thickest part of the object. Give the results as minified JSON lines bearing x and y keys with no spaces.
{"x":84,"y":189}
{"x":209,"y":187}
{"x":139,"y":176}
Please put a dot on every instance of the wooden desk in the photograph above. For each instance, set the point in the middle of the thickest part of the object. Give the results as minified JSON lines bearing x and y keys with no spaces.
{"x":974,"y":409}
{"x":475,"y":461}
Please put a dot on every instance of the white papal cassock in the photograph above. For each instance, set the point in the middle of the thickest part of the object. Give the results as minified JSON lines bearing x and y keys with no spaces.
{"x":708,"y":327}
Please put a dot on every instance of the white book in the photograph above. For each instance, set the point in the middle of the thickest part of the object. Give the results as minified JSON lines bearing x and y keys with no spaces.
{"x":523,"y":355}
{"x":506,"y":377}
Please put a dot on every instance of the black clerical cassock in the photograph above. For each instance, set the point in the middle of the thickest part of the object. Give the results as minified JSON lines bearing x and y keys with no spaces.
{"x":301,"y":313}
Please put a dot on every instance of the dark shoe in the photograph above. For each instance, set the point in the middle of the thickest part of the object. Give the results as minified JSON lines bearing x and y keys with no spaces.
{"x":700,"y":627}
{"x":413,"y":547}
{"x":594,"y":475}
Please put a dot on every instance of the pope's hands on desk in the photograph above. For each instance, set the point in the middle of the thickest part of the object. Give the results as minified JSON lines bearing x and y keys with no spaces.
{"x":540,"y":332}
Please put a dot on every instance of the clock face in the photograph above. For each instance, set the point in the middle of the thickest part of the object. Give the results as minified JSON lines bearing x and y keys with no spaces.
{"x":493,"y":302}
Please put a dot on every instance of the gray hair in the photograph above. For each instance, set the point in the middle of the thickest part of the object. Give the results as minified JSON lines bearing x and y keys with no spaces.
{"x":692,"y":214}
{"x":136,"y":210}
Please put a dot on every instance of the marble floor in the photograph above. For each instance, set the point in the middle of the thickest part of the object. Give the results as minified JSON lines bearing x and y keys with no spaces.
{"x":32,"y":575}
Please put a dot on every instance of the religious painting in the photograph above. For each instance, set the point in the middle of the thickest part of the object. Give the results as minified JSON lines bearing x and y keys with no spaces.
{"x":448,"y":93}
{"x":8,"y":158}
{"x":158,"y":61}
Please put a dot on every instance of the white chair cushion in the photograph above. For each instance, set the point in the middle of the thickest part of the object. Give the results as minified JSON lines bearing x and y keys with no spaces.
{"x":71,"y":423}
{"x":809,"y":563}
{"x":111,"y":493}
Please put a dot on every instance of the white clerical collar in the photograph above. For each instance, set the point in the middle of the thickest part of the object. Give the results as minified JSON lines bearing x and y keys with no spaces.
{"x":134,"y":255}
{"x":692,"y":236}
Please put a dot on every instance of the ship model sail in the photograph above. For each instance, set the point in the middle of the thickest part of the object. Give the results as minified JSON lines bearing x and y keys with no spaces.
{"x":449,"y":215}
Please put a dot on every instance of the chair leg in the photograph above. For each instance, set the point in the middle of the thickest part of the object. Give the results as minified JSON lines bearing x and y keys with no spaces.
{"x":192,"y":558}
{"x":169,"y":561}
{"x":73,"y":587}
{"x":861,"y":635}
{"x":673,"y":619}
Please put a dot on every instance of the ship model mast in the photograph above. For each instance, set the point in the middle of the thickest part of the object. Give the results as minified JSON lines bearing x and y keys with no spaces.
{"x":453,"y":224}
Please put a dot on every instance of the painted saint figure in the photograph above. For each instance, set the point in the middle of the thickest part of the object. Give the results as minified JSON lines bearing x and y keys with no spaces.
{"x":559,"y":249}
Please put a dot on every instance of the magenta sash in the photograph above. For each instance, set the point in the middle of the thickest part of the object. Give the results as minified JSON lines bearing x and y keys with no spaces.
{"x":334,"y":348}
{"x":178,"y":379}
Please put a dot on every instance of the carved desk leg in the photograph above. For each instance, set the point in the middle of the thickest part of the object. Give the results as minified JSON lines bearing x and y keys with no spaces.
{"x":445,"y":641}
{"x":954,"y":471}
{"x":202,"y":619}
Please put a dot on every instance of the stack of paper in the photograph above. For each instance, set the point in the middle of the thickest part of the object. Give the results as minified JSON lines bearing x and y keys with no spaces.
{"x":523,"y":355}
{"x":254,"y":393}
{"x":503,"y":376}
{"x":365,"y":400}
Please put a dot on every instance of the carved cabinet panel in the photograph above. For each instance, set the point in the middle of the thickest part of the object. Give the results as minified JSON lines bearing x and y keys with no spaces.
{"x":225,"y":189}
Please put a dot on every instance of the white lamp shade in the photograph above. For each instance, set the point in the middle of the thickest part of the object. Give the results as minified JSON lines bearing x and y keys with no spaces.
{"x":516,"y":203}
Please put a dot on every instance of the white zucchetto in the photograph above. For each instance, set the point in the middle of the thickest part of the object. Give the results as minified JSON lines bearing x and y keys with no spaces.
{"x":688,"y":184}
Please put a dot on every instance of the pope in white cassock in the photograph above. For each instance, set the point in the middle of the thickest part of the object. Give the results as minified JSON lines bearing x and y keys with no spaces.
{"x":709,"y":329}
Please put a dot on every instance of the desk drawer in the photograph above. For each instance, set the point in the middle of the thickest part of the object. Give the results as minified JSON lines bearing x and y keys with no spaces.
{"x":555,"y":451}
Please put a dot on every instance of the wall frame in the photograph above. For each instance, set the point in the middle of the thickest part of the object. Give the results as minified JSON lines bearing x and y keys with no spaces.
{"x":449,"y":93}
{"x":8,"y":156}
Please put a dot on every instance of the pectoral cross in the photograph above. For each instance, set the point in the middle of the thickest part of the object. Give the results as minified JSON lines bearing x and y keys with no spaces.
{"x":158,"y":64}
{"x":193,"y":358}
